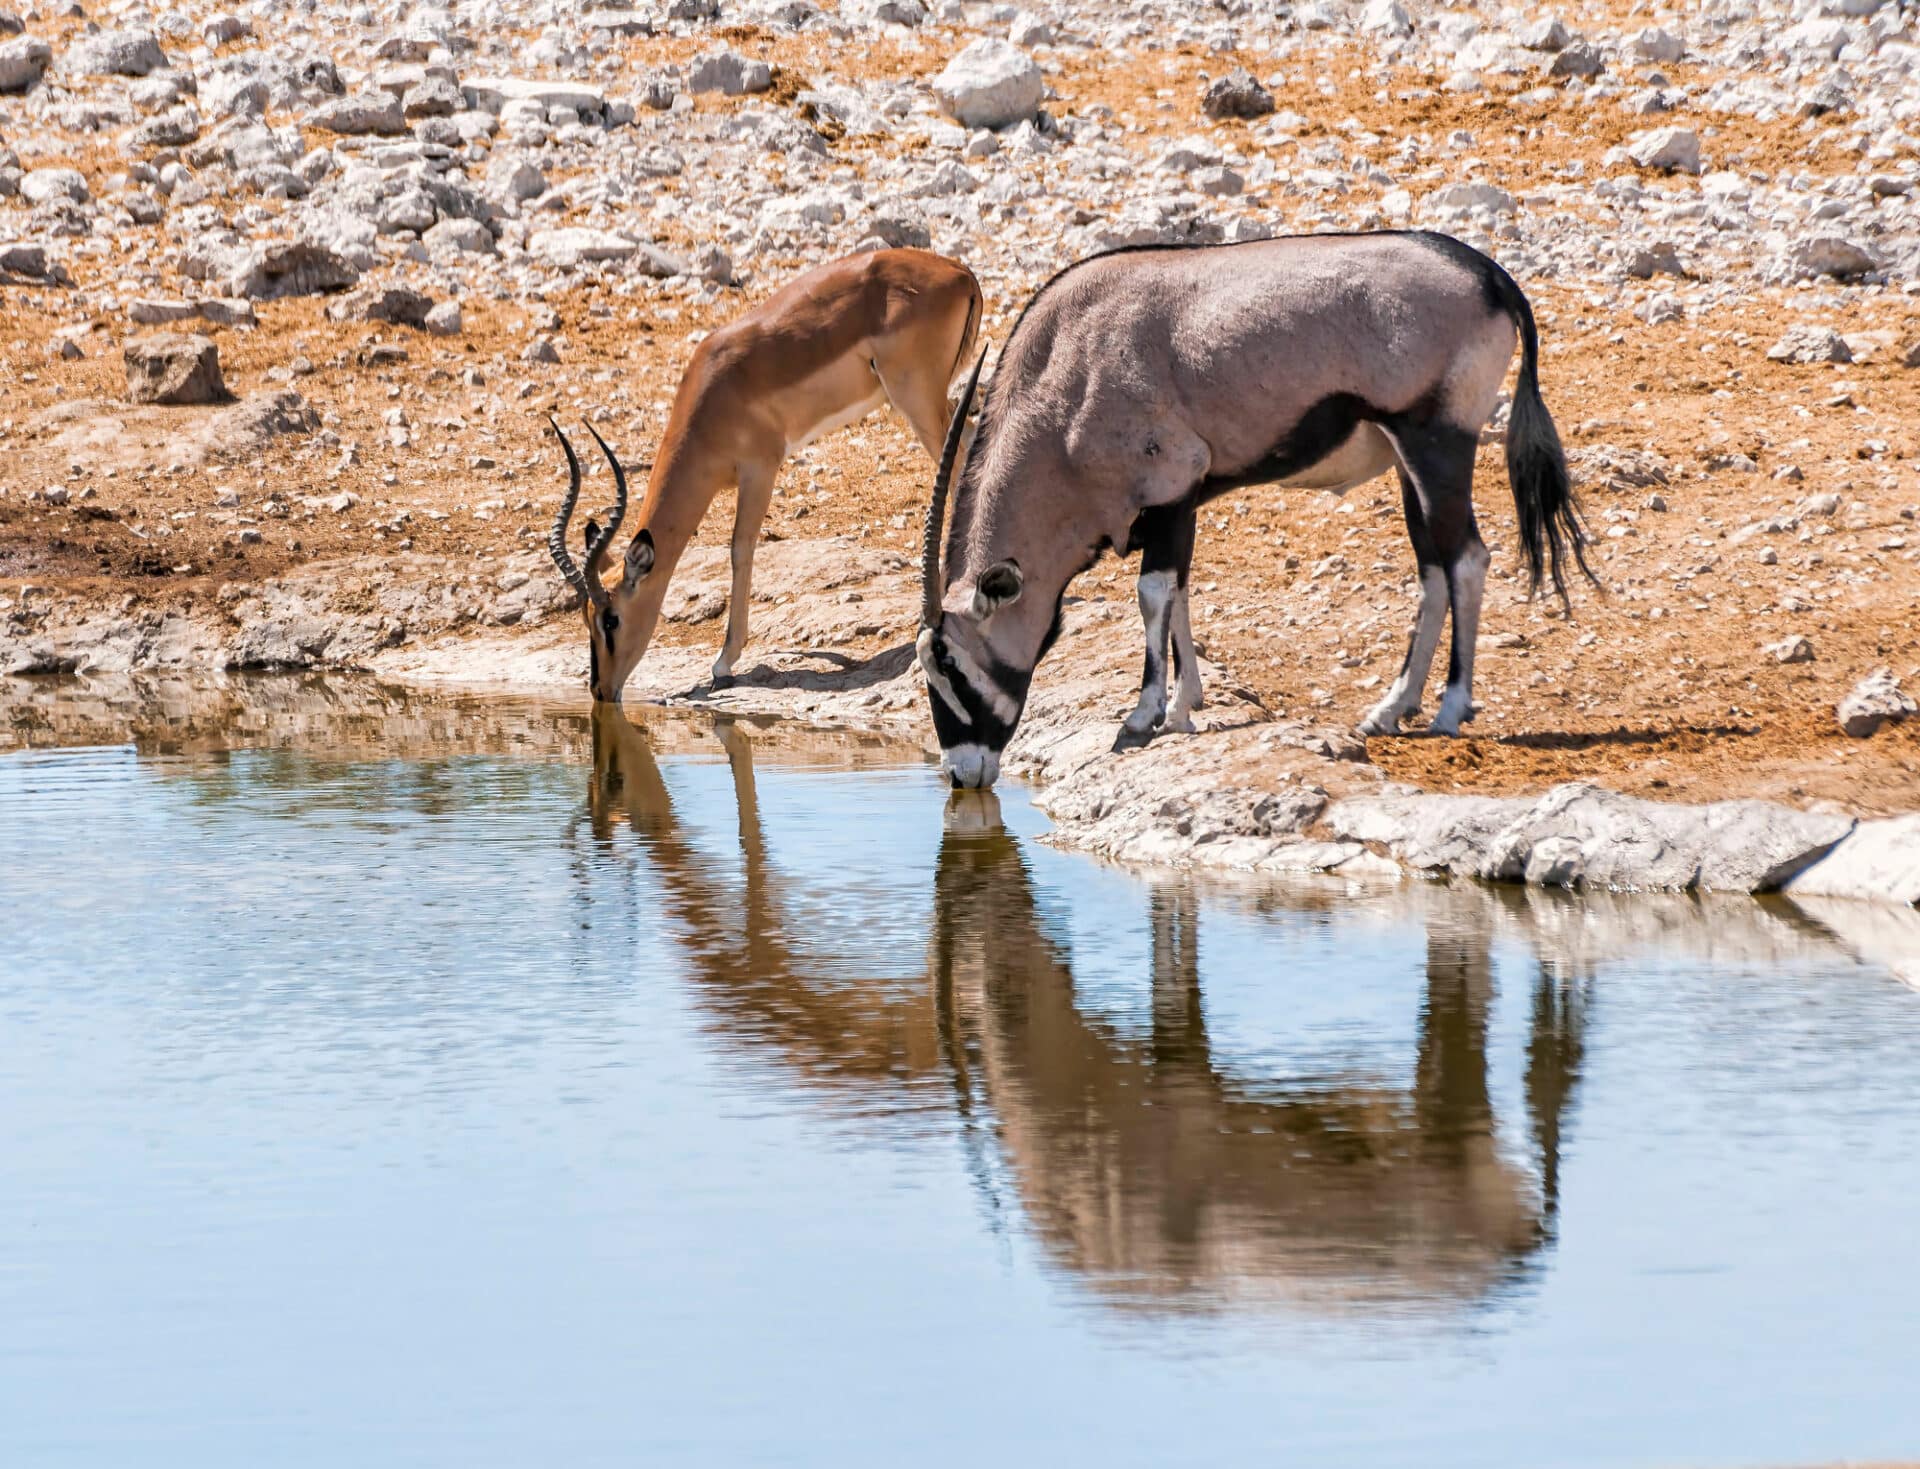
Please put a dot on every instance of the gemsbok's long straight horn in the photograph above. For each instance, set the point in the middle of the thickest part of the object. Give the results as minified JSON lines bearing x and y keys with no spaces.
{"x":931,"y":588}
{"x":557,"y":537}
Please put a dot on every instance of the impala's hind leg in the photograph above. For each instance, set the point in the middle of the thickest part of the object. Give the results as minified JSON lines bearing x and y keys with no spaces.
{"x":1166,"y":544}
{"x":1436,"y":490}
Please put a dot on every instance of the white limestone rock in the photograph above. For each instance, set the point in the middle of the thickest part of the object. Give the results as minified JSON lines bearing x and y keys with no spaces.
{"x":728,"y":72}
{"x":128,"y":53}
{"x":1806,"y":343}
{"x":1654,"y":44}
{"x":358,"y":113}
{"x":1674,"y":149}
{"x":23,"y":62}
{"x":451,"y":239}
{"x":1464,"y":198}
{"x":991,"y":84}
{"x":172,"y":368}
{"x":1546,"y":33}
{"x":1879,"y":859}
{"x":1584,"y":836}
{"x":42,"y":185}
{"x":492,"y":94}
{"x":1386,"y":18}
{"x":1823,"y":255}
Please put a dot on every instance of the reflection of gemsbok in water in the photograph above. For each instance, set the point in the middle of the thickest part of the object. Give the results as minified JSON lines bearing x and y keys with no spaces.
{"x":1143,"y":1164}
{"x":1157,"y":1175}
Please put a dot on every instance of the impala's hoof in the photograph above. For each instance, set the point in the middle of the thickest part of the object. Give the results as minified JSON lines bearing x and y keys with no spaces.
{"x":1131,"y":739}
{"x":721,"y":681}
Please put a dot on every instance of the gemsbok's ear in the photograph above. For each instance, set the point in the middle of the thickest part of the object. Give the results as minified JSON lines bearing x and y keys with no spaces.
{"x":998,"y":586}
{"x":639,"y":558}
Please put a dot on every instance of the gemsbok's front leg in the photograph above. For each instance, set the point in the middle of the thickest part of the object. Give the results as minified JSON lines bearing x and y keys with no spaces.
{"x":1166,"y":554}
{"x":1186,"y":663}
{"x":756,"y":494}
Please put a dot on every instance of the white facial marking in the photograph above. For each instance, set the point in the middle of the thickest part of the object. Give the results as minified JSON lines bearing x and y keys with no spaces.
{"x":971,"y":767}
{"x":990,"y":693}
{"x":936,"y":680}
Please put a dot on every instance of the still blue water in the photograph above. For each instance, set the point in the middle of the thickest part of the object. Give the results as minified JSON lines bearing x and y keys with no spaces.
{"x":663,"y":1092}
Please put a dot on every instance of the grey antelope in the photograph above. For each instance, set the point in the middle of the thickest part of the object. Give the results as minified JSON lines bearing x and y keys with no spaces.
{"x":828,"y":348}
{"x":1138,"y":385}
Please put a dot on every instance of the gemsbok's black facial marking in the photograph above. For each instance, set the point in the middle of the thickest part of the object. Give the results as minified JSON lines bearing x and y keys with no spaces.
{"x":986,"y":722}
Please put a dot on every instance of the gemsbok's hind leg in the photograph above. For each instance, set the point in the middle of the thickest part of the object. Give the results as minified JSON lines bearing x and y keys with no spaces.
{"x":1436,"y":491}
{"x":1166,"y":555}
{"x":1466,"y":581}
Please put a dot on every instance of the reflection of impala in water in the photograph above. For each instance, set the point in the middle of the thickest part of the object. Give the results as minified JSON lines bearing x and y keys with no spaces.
{"x":1142,"y":1164}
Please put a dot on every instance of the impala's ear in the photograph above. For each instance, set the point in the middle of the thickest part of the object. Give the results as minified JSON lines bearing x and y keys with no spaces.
{"x":999,"y":585}
{"x":592,"y":532}
{"x":639,"y":557}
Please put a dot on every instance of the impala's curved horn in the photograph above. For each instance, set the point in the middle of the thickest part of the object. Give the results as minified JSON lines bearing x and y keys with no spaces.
{"x":605,"y":538}
{"x":557,"y":537}
{"x":931,"y":587}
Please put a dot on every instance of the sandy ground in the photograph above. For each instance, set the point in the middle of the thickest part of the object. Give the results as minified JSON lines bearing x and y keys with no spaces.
{"x":1658,"y":684}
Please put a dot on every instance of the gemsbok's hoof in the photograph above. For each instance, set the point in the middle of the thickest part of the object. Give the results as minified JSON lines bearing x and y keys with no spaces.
{"x":1131,"y":739}
{"x":1451,"y":715}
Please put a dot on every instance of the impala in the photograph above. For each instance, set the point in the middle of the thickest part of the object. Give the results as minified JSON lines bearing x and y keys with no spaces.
{"x":889,"y":326}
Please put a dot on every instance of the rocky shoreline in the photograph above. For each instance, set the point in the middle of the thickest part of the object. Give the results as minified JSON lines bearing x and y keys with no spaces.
{"x":1250,"y":790}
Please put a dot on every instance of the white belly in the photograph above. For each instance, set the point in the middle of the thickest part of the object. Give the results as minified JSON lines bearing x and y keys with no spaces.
{"x":851,"y":414}
{"x":1366,"y":453}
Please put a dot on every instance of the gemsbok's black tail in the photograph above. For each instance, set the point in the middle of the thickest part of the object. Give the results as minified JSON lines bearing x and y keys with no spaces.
{"x":1551,"y":531}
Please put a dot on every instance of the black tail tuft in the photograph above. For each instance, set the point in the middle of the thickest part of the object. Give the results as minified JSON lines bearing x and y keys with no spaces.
{"x":1551,"y":530}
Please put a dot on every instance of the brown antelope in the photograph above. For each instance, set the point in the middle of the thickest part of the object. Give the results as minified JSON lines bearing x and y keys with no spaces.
{"x":890,"y":326}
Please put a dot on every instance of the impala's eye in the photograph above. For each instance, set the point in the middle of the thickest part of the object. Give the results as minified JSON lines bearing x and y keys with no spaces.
{"x":609,"y":625}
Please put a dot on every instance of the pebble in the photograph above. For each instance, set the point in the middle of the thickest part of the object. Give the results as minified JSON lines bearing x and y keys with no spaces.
{"x":1873,"y":702}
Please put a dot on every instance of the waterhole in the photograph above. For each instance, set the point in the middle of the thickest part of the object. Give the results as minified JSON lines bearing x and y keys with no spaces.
{"x":405,"y":1079}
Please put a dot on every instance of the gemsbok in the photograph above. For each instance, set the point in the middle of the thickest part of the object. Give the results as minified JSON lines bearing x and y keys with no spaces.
{"x":828,"y":348}
{"x":1140,"y":384}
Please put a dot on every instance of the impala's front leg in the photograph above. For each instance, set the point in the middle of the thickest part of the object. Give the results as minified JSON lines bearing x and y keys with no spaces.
{"x":1166,"y":545}
{"x":750,"y":511}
